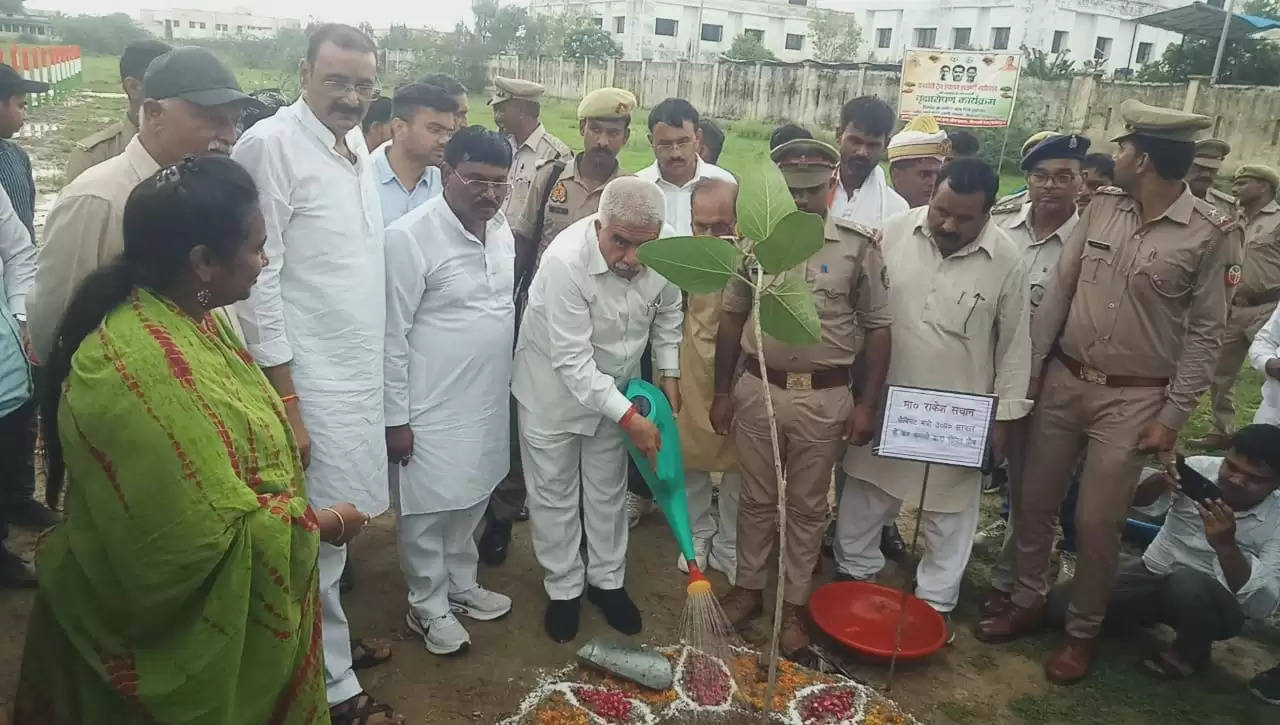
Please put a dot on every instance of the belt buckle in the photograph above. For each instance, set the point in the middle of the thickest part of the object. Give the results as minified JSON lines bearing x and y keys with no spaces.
{"x":1092,"y":375}
{"x":799,"y":381}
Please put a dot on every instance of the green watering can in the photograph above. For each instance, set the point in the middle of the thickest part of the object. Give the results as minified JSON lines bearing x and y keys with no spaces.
{"x":666,"y":483}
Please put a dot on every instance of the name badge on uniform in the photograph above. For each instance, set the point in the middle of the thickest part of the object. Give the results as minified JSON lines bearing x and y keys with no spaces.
{"x":1099,"y":245}
{"x":557,"y":209}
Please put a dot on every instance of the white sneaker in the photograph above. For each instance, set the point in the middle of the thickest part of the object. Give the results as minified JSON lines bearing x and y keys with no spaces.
{"x":991,"y":532}
{"x":701,"y":547}
{"x":442,"y":635}
{"x":480,"y":604}
{"x":1066,"y":566}
{"x":727,"y":565}
{"x":636,"y":507}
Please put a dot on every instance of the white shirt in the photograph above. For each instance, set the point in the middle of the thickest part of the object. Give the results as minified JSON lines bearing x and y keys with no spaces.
{"x":450,"y":330}
{"x":319,"y":303}
{"x":1181,"y":543}
{"x":679,"y":212}
{"x":17,"y":274}
{"x":584,"y":332}
{"x":870,"y":204}
{"x":1266,"y":345}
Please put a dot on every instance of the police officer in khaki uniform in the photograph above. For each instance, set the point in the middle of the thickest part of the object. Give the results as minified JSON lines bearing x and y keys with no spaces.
{"x":1256,"y":297}
{"x":515,"y":111}
{"x":1040,"y":226}
{"x":563,"y":190}
{"x":1124,"y":342}
{"x":1210,"y":154}
{"x":816,"y":412}
{"x":110,"y":141}
{"x":1020,"y":196}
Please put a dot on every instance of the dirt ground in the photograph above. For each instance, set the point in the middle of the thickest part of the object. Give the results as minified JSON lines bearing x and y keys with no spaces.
{"x":968,"y":682}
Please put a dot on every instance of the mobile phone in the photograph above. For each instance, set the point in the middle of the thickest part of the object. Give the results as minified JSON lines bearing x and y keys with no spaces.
{"x":1195,"y":485}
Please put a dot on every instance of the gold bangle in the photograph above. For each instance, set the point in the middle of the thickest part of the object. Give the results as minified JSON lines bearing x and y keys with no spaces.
{"x":342,"y":525}
{"x":288,"y":398}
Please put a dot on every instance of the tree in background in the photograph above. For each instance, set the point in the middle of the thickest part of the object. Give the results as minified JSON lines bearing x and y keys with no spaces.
{"x":749,"y":47}
{"x":1047,"y":66}
{"x":1245,"y":61}
{"x":98,"y":35}
{"x":590,"y":42}
{"x":12,"y":7}
{"x":835,"y":36}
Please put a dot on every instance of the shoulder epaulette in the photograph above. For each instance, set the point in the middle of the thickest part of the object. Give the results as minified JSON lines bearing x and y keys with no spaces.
{"x":1008,"y":207}
{"x":869,"y":232}
{"x":97,"y":137}
{"x":1015,"y":198}
{"x":1110,"y":191}
{"x":1216,"y":218}
{"x":1221,"y":195}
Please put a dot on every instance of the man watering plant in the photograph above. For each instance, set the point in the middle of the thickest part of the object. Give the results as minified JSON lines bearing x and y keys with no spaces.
{"x":816,"y":412}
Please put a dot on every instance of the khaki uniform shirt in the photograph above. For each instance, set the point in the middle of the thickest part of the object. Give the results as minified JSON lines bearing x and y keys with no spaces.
{"x":98,"y":147}
{"x":850,"y":288}
{"x":570,"y":200}
{"x":1261,"y":255}
{"x":1223,"y":202}
{"x":1040,"y":255}
{"x":1148,"y":300}
{"x":84,"y":230}
{"x":539,"y":148}
{"x":960,"y":323}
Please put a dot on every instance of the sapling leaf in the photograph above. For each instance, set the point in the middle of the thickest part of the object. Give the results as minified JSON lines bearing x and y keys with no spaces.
{"x":694,"y":264}
{"x":795,"y":238}
{"x":788,"y":314}
{"x":763,"y":200}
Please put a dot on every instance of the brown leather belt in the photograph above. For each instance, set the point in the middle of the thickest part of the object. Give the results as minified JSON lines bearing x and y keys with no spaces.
{"x":816,"y":380}
{"x":1097,"y":377}
{"x":1264,"y":298}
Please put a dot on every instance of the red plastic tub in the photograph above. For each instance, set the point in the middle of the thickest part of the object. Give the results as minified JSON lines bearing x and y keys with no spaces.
{"x":864,"y":617}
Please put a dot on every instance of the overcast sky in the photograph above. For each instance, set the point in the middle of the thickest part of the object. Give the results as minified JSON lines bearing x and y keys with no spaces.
{"x":441,"y":14}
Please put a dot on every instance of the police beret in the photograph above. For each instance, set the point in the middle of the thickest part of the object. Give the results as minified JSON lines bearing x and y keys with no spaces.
{"x":1260,"y":172}
{"x":1057,"y":146}
{"x":1162,"y":123}
{"x":607,"y":103}
{"x":805,"y":162}
{"x":505,"y":89}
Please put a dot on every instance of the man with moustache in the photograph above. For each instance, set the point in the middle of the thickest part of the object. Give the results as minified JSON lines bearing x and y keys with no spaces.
{"x":862,"y":194}
{"x":915,"y":155}
{"x":563,"y":192}
{"x":515,"y":113}
{"x":191,"y":105}
{"x":408,"y":168}
{"x":316,"y":320}
{"x":450,"y":330}
{"x":593,"y":308}
{"x":1211,"y":153}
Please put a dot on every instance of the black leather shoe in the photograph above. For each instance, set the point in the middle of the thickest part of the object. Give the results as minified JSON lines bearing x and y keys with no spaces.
{"x":522,"y":514}
{"x":495,"y":541}
{"x":619,"y":611}
{"x":14,"y":572}
{"x":31,"y":514}
{"x":562,"y":619}
{"x":891,"y":543}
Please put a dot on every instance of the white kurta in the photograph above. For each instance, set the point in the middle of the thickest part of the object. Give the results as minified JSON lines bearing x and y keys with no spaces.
{"x":679,"y":198}
{"x":450,"y":329}
{"x":319,"y":303}
{"x":1265,"y":346}
{"x":871,"y":203}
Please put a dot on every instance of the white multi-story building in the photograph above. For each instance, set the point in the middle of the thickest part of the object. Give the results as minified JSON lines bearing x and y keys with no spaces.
{"x":180,"y":24}
{"x":1102,"y":30}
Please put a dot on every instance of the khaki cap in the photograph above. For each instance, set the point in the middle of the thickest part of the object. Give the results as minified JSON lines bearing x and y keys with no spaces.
{"x":505,"y":89}
{"x":1162,"y":123}
{"x":607,"y":103}
{"x":1210,"y":152}
{"x":805,"y":162}
{"x":1260,"y":172}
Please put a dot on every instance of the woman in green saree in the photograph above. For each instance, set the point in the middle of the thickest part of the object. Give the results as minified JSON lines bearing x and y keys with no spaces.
{"x":181,"y":586}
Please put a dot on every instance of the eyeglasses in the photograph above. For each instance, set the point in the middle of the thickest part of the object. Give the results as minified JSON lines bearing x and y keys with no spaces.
{"x":667,"y":147}
{"x":1040,"y":178}
{"x":479,"y":186}
{"x":367,"y":91}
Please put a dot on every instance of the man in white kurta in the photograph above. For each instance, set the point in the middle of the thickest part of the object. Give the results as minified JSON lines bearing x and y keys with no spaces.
{"x":592,"y":310}
{"x":316,"y":319}
{"x":675,"y":138}
{"x":450,"y":330}
{"x":959,"y":301}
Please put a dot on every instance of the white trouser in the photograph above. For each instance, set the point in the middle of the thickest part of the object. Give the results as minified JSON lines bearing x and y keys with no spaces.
{"x":724,"y":537}
{"x":340,"y":680}
{"x":564,"y":472}
{"x":948,"y":540}
{"x":438,"y":557}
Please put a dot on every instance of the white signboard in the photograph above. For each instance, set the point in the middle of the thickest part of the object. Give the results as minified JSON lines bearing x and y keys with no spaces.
{"x":937,"y":426}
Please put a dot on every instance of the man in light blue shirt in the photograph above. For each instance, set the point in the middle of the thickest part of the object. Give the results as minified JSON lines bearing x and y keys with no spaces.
{"x":17,"y":409}
{"x":408,"y":168}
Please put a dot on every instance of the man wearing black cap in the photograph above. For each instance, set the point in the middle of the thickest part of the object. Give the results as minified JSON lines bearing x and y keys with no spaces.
{"x":108,"y":142}
{"x":1039,"y":224}
{"x":15,"y":165}
{"x":192,"y":104}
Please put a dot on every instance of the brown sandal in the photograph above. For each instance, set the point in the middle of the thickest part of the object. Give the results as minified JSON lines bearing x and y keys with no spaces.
{"x":366,"y":653}
{"x":359,"y":709}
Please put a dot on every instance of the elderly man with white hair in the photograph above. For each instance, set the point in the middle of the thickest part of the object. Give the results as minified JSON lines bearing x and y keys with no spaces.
{"x":592,"y":310}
